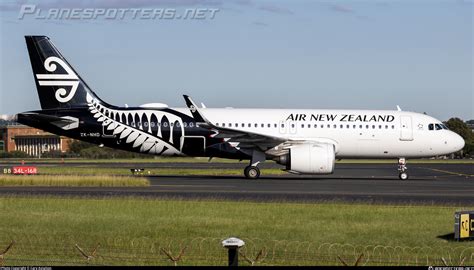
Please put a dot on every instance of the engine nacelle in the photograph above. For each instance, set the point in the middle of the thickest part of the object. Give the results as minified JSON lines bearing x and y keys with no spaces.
{"x":310,"y":158}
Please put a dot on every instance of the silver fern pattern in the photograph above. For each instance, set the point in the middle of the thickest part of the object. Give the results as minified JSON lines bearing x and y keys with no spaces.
{"x":142,"y":129}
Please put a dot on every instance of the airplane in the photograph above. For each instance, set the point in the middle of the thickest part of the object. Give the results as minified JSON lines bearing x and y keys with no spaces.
{"x":304,"y":141}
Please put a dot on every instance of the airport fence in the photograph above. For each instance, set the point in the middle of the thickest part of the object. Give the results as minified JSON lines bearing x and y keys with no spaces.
{"x":45,"y":250}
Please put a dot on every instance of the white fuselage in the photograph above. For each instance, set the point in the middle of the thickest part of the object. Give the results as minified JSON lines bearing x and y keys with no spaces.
{"x":355,"y":133}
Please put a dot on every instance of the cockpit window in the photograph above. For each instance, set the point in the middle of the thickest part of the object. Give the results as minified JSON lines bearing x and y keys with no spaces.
{"x":437,"y":127}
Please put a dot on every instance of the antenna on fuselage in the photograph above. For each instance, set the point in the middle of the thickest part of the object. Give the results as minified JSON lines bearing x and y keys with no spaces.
{"x":399,"y":109}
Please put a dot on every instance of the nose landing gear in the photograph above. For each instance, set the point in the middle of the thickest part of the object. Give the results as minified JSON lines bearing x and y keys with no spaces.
{"x":402,"y":169}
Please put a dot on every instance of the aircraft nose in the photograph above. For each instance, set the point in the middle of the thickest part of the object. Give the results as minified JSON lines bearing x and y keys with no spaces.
{"x":458,"y":142}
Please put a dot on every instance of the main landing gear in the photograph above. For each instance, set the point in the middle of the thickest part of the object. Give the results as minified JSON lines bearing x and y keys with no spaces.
{"x":252,"y":171}
{"x":402,"y":169}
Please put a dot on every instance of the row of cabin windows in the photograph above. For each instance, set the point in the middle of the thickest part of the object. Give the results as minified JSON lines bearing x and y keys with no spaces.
{"x":437,"y":127}
{"x":165,"y":124}
{"x":191,"y":124}
{"x":306,"y":126}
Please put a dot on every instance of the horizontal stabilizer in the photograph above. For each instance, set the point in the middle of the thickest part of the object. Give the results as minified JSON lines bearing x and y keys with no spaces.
{"x":64,"y":122}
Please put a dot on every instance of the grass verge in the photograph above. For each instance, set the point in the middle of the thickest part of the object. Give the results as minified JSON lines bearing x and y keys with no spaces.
{"x":221,"y":160}
{"x":135,"y":231}
{"x":73,"y":181}
{"x":149,"y":171}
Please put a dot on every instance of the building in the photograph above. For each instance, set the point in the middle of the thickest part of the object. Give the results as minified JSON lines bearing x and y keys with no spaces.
{"x":34,"y":142}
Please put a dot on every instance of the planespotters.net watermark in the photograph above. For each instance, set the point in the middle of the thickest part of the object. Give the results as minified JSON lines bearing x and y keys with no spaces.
{"x":35,"y":12}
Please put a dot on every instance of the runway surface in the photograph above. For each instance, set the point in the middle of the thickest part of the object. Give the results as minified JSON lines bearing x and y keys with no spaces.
{"x":376,"y":183}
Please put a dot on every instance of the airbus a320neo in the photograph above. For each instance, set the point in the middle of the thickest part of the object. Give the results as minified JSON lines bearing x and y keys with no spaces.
{"x":305,"y":141}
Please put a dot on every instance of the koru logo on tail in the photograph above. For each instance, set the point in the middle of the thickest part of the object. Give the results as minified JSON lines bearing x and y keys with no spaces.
{"x":68,"y":79}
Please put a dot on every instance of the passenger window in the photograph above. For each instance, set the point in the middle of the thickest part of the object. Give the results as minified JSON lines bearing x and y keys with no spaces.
{"x":275,"y":125}
{"x":249,"y":125}
{"x":341,"y":126}
{"x":315,"y":125}
{"x":348,"y":126}
{"x":430,"y":127}
{"x":302,"y":125}
{"x":335,"y":126}
{"x":293,"y":125}
{"x":255,"y":125}
{"x":223,"y":124}
{"x":230,"y":124}
{"x":373,"y":126}
{"x":322,"y":126}
{"x":393,"y":127}
{"x":329,"y":126}
{"x":190,"y":124}
{"x":269,"y":125}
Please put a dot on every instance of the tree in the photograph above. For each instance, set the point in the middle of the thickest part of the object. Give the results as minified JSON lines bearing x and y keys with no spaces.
{"x":457,"y":125}
{"x":461,"y":128}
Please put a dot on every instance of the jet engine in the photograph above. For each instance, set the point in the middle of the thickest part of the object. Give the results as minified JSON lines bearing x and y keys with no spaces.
{"x":309,"y":158}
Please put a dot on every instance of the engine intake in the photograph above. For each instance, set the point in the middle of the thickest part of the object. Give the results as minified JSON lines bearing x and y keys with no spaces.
{"x":309,"y":158}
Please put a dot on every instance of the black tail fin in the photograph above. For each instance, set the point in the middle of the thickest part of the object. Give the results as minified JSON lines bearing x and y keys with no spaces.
{"x":58,"y":84}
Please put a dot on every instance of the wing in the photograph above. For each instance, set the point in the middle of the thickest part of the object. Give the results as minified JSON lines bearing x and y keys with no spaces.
{"x":237,"y":138}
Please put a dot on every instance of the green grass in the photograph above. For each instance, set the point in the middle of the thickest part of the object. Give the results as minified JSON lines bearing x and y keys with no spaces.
{"x":222,"y":160}
{"x":133,"y":230}
{"x":156,"y":159}
{"x":73,"y":181}
{"x":410,"y":161}
{"x":148,"y":171}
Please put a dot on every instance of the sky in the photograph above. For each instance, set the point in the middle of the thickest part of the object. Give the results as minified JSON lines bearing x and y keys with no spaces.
{"x":270,"y":54}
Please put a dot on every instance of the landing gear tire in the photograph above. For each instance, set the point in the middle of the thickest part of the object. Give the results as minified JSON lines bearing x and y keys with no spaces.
{"x":252,"y":172}
{"x":403,"y":176}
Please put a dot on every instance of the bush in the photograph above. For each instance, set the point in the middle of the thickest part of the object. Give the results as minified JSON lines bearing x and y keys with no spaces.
{"x":54,"y":154}
{"x":14,"y":154}
{"x":88,"y":150}
{"x":96,"y":152}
